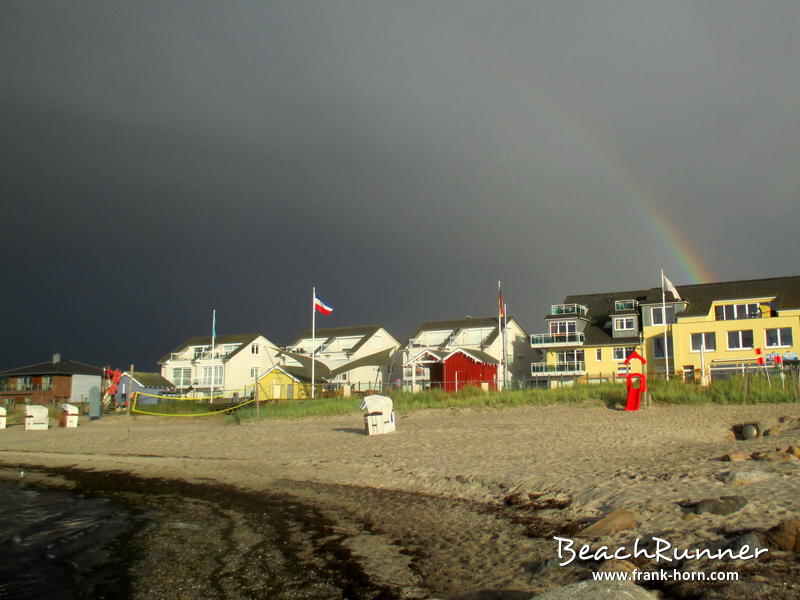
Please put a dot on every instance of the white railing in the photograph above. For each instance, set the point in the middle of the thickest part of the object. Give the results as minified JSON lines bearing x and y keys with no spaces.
{"x":557,"y":339}
{"x":571,"y":368}
{"x":568,"y":309}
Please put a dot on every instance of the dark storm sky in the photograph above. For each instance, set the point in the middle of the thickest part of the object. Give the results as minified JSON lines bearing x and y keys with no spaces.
{"x":161,"y":159}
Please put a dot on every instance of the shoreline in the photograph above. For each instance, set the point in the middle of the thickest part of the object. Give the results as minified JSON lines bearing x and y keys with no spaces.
{"x":432,"y":510}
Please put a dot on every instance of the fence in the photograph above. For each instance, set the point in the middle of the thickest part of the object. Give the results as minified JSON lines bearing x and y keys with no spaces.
{"x":739,"y":382}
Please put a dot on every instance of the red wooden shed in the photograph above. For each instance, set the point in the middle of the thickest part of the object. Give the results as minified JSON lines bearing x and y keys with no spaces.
{"x":464,"y":367}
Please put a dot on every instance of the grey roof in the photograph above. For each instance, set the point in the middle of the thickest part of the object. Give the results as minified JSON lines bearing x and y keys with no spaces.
{"x":599,"y":314}
{"x":151,"y":380}
{"x":698,"y":298}
{"x":205,"y":340}
{"x":62,"y":367}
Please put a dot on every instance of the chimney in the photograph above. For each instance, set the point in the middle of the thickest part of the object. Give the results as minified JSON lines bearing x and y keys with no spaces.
{"x":56,"y":358}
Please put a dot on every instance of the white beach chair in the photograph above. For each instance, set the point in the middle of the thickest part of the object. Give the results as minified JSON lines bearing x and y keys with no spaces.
{"x":380,"y":414}
{"x":2,"y":417}
{"x":69,"y":416}
{"x":36,"y":417}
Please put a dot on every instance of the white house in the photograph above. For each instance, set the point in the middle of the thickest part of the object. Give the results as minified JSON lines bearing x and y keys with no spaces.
{"x":434,"y":340}
{"x":361,"y":357}
{"x":238,"y":361}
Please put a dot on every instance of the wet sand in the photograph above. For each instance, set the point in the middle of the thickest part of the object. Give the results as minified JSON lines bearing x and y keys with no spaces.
{"x":425,"y":510}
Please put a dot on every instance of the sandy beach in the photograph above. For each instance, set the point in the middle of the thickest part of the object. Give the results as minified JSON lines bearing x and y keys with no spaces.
{"x":464,"y":503}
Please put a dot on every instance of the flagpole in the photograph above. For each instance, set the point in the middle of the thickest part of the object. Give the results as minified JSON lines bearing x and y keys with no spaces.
{"x":505,"y":345}
{"x":664,"y":320}
{"x":213,"y":339}
{"x":500,"y":328}
{"x":313,"y":335}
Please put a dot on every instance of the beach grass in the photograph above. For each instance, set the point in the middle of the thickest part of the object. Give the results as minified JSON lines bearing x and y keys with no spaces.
{"x":675,"y":391}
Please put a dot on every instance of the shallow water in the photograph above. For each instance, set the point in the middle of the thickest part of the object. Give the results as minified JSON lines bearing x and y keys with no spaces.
{"x":58,"y":545}
{"x":158,"y":539}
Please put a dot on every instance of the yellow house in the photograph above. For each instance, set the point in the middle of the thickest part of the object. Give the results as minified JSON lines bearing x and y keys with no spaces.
{"x":714,"y":328}
{"x":284,"y":383}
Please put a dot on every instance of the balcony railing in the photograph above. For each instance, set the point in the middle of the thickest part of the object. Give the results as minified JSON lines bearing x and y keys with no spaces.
{"x":207,"y":355}
{"x":559,"y":310}
{"x":556,"y":339}
{"x":625,"y":305}
{"x":572,"y":368}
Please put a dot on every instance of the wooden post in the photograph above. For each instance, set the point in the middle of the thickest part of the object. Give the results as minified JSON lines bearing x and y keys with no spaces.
{"x":746,"y":383}
{"x":795,"y":375}
{"x":130,"y":393}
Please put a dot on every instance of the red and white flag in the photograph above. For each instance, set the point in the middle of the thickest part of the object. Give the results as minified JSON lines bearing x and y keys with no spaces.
{"x":321,"y":306}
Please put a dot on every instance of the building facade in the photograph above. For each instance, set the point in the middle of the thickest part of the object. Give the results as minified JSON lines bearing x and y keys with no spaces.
{"x":148,"y":385}
{"x":361,"y":357}
{"x":231,"y":369}
{"x":434,"y":341}
{"x":710,"y":328}
{"x":52,"y":382}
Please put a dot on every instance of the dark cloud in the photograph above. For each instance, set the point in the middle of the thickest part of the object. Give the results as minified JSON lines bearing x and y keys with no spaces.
{"x":161,"y":160}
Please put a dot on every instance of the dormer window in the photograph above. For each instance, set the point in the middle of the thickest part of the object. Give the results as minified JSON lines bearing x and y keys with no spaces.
{"x":624,"y":323}
{"x":625,"y":305}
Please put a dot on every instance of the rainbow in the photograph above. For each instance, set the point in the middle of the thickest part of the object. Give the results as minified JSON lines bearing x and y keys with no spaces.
{"x":672,"y":240}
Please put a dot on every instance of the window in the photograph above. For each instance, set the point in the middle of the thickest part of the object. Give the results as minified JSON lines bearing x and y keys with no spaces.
{"x":255,"y":349}
{"x":181,"y":377}
{"x":658,"y":347}
{"x":598,"y":354}
{"x":779,"y":337}
{"x":704,"y":341}
{"x":570,"y":356}
{"x":656,"y":313}
{"x":253,"y":372}
{"x":217,"y":376}
{"x":739,"y":340}
{"x":623,"y":353}
{"x":624,"y":323}
{"x":560,"y":327}
{"x":199,"y":351}
{"x":730,"y":312}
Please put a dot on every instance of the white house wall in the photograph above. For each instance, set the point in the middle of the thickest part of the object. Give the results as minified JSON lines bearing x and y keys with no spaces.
{"x":81,"y":384}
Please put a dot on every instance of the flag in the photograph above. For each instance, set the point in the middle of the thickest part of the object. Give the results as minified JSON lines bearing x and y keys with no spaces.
{"x":501,"y":307}
{"x":666,"y":285}
{"x":321,"y":306}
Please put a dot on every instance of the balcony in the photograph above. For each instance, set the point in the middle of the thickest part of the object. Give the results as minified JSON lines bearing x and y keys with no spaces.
{"x":568,"y":310}
{"x":572,"y":368}
{"x":549,"y":340}
{"x":625,"y":305}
